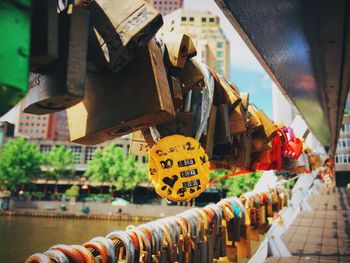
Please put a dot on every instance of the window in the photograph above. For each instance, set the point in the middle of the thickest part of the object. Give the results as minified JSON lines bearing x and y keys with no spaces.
{"x":219,"y":54}
{"x":170,"y":2}
{"x":220,"y":44}
{"x":27,"y":124}
{"x":20,"y":130}
{"x":27,"y":117}
{"x":44,"y":118}
{"x":42,"y":131}
{"x":191,"y":19}
{"x":144,"y":159}
{"x":211,"y":20}
{"x":45,"y":148}
{"x":220,"y":72}
{"x":165,"y":2}
{"x":219,"y":63}
{"x":204,"y":19}
{"x":77,"y":153}
{"x":89,"y":152}
{"x":183,"y":19}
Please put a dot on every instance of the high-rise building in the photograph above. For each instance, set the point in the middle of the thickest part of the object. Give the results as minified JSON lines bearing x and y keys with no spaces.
{"x":213,"y":48}
{"x":49,"y":126}
{"x":342,"y":156}
{"x":166,"y":7}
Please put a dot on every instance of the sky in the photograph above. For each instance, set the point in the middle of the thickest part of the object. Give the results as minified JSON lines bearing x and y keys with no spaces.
{"x":245,"y":71}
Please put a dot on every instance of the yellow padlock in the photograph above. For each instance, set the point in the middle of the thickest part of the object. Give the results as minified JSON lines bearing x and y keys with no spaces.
{"x":178,"y":168}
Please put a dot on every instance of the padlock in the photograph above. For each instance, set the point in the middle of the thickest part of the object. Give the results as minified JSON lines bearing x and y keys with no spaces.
{"x":268,"y":126}
{"x":141,"y":143}
{"x":245,"y":100}
{"x":209,"y":136}
{"x":95,"y":119}
{"x":178,"y":168}
{"x":176,"y":91}
{"x":122,"y":238}
{"x":61,"y":84}
{"x":237,"y":121}
{"x":253,"y":119}
{"x":222,"y":129}
{"x":44,"y":33}
{"x":231,"y":97}
{"x":177,"y":46}
{"x":14,"y":52}
{"x":190,"y":76}
{"x":182,"y":125}
{"x":123,"y":29}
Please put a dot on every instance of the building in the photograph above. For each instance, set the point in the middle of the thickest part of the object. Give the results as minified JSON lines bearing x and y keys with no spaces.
{"x":342,"y":156}
{"x":213,"y":48}
{"x":49,"y":126}
{"x":166,"y":7}
{"x":6,"y":131}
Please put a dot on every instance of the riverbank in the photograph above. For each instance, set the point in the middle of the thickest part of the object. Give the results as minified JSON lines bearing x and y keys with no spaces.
{"x":56,"y":214}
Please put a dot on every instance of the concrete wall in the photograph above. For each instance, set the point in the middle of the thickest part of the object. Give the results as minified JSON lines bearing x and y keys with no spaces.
{"x":100,"y":208}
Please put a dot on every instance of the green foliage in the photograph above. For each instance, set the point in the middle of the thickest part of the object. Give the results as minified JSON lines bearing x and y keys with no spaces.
{"x":112,"y":165}
{"x":73,"y":191}
{"x":236,"y":185}
{"x":19,"y":163}
{"x":241,"y":184}
{"x":59,"y":161}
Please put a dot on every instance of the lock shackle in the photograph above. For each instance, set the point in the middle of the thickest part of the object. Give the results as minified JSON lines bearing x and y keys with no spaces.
{"x":146,"y":242}
{"x":57,"y":256}
{"x":235,"y":200}
{"x":152,"y":239}
{"x":208,"y":94}
{"x":175,"y":227}
{"x":184,"y":235}
{"x":200,"y":224}
{"x":70,"y":252}
{"x":38,"y":258}
{"x":218,"y":216}
{"x":191,"y":224}
{"x":227,"y":211}
{"x":109,"y":247}
{"x":85,"y":253}
{"x":168,"y":238}
{"x":127,"y":242}
{"x":203,"y":220}
{"x":157,"y":235}
{"x":99,"y":248}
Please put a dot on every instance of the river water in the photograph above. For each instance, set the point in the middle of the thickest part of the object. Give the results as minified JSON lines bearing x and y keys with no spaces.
{"x":22,"y":236}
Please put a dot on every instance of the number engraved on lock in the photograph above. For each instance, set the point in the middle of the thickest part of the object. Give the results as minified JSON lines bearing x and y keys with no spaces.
{"x":188,"y":173}
{"x":35,"y":81}
{"x":186,"y":162}
{"x":144,"y":147}
{"x":188,"y":146}
{"x":190,"y":183}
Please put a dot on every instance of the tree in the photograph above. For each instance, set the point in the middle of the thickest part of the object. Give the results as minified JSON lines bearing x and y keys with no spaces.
{"x":236,"y":185}
{"x":60,"y":163}
{"x":112,"y":165}
{"x":19,"y":163}
{"x":241,"y":184}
